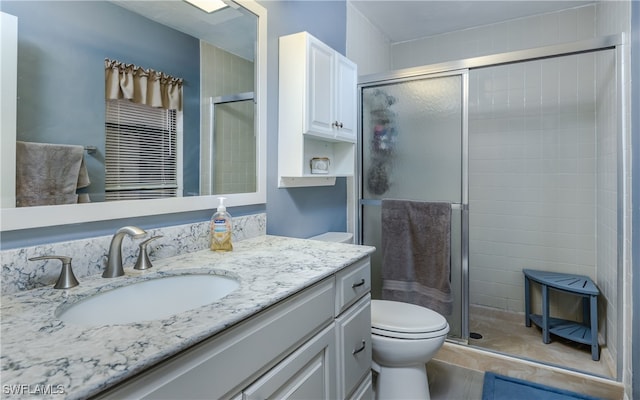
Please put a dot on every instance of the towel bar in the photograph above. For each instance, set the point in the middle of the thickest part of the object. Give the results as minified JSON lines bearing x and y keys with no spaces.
{"x":378,"y":202}
{"x":91,"y":149}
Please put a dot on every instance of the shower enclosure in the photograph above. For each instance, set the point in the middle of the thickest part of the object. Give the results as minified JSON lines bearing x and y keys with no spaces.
{"x":524,"y":146}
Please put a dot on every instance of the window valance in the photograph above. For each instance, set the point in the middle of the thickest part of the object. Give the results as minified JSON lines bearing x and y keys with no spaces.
{"x":143,"y":86}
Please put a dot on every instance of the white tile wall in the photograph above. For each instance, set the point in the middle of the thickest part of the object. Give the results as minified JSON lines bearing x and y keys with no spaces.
{"x":532,"y":163}
{"x":234,"y":124}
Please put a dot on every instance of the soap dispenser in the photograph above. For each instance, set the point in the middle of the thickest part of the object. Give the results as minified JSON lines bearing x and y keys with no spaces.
{"x":221,"y":228}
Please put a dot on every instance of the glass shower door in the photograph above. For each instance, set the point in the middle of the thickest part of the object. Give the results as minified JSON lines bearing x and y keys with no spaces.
{"x":412,"y":148}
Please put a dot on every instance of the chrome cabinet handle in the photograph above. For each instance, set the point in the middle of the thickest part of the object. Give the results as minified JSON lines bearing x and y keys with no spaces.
{"x":356,"y":351}
{"x":355,"y":285}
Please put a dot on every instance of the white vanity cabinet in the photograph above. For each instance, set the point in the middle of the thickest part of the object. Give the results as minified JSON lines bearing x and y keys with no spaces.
{"x":353,"y":330}
{"x":317,"y":111}
{"x":314,"y":344}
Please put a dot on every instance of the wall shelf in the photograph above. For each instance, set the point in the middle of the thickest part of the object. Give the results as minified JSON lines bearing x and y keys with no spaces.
{"x":316,"y":112}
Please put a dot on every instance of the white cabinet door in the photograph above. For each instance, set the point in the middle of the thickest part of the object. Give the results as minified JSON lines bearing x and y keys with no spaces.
{"x":346,"y":98}
{"x":331,"y":93}
{"x":354,"y":346}
{"x":317,"y":115}
{"x":308,"y":373}
{"x":320,"y":92}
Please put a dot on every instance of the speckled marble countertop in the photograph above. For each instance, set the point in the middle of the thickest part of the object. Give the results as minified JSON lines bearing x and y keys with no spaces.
{"x":41,"y":353}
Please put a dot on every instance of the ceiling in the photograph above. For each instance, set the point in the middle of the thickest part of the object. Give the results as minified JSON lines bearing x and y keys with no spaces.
{"x":232,"y":28}
{"x":402,"y":20}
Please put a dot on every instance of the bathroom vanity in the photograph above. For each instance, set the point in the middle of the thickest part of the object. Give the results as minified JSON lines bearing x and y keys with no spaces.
{"x":298,"y":325}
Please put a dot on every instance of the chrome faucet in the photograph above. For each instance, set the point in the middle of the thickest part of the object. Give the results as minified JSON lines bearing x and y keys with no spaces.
{"x":114,"y":260}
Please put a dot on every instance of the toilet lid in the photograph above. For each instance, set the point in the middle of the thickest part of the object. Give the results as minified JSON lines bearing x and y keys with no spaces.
{"x":400,"y":319}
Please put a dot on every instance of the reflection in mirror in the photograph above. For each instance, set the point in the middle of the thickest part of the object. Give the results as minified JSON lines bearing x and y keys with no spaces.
{"x":62,"y":47}
{"x":219,"y":57}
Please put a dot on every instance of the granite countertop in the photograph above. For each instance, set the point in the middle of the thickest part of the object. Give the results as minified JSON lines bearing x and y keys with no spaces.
{"x":45,"y":357}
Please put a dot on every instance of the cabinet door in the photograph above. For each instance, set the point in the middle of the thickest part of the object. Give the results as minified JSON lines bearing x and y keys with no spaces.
{"x":346,"y":98}
{"x":353,"y":329}
{"x":319,"y":120}
{"x":308,"y":373}
{"x":365,"y":390}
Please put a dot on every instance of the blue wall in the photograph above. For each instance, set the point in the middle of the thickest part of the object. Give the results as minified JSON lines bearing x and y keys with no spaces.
{"x":61,"y":50}
{"x":299,"y":212}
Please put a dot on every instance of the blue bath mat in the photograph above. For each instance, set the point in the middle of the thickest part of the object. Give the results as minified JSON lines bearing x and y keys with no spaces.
{"x":499,"y":387}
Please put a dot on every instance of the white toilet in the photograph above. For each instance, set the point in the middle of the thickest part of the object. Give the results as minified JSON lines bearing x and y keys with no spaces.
{"x":340,"y":237}
{"x":404,"y":337}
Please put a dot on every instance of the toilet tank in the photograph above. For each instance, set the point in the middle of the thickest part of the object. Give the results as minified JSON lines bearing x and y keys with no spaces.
{"x":341,"y":237}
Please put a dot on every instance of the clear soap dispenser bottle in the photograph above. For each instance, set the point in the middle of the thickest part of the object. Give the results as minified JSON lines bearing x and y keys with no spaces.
{"x":221,"y":228}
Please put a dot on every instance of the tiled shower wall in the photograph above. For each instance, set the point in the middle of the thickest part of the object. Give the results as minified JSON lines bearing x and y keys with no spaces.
{"x":235,"y":140}
{"x":532,"y":177}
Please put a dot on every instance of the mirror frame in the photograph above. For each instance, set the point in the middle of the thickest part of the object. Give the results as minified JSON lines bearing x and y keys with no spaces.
{"x":43,"y":216}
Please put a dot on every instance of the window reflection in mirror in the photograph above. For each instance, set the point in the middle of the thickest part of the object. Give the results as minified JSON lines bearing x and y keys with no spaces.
{"x":61,"y":82}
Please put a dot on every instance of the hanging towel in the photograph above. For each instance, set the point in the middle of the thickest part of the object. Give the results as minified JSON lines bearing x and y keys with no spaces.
{"x":49,"y":174}
{"x":416,"y":254}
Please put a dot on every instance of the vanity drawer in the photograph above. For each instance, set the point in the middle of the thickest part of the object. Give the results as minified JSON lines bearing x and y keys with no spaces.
{"x":352,"y":283}
{"x":353,"y":330}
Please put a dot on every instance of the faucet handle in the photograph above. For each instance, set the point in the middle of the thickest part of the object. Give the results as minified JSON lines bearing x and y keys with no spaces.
{"x":67,"y":279}
{"x":143,"y":261}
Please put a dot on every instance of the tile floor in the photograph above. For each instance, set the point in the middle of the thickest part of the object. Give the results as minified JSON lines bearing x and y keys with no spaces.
{"x":506,"y":333}
{"x":451,"y":382}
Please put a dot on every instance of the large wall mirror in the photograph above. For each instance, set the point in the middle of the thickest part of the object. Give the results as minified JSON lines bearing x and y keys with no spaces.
{"x":219,"y":129}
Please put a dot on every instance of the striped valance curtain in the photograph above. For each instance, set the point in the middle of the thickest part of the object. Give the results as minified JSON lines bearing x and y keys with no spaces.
{"x":143,"y":86}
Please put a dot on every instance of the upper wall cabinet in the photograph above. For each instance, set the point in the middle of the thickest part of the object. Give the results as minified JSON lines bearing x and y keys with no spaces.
{"x":317,"y":112}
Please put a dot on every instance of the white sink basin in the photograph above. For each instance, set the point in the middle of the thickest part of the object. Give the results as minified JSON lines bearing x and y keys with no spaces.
{"x":148,"y":300}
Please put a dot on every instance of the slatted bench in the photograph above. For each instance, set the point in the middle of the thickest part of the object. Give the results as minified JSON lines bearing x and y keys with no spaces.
{"x":585,"y":332}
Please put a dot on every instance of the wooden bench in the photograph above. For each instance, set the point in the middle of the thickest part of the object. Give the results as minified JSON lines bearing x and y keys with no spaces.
{"x":585,"y":332}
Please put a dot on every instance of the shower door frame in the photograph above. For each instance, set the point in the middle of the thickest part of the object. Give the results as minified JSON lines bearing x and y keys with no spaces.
{"x":612,"y":42}
{"x":463,"y":205}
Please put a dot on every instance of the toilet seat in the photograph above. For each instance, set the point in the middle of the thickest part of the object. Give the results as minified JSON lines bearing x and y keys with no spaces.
{"x":406,"y":321}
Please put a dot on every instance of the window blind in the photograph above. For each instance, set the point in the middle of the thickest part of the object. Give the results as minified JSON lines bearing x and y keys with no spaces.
{"x":141,"y":155}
